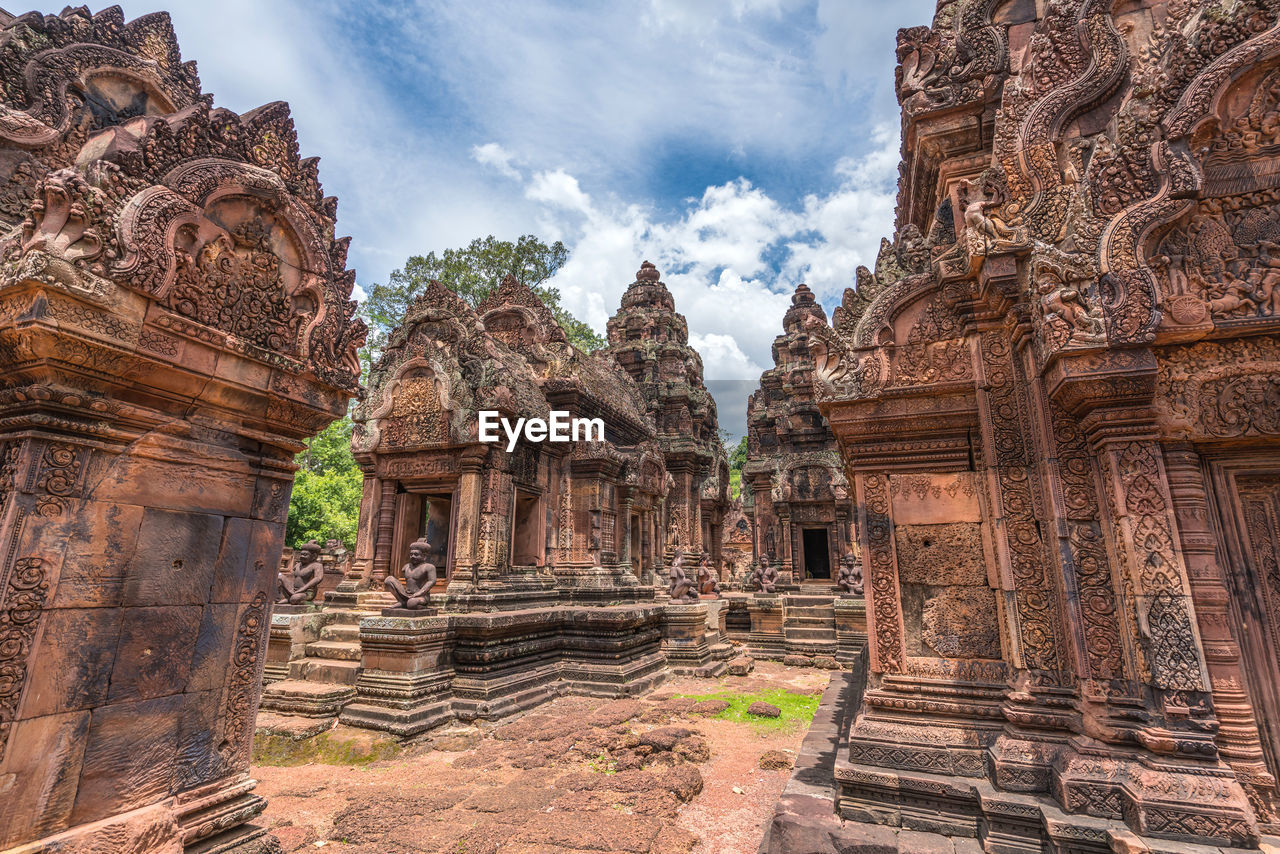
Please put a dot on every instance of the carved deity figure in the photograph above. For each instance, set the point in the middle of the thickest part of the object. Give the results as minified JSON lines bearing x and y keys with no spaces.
{"x":681,"y":589}
{"x":766,"y":577}
{"x":984,"y":233}
{"x":414,"y":592}
{"x":1066,"y":300}
{"x":850,"y":580}
{"x":708,"y":584}
{"x":913,"y":249}
{"x":1265,"y":278}
{"x":299,"y":584}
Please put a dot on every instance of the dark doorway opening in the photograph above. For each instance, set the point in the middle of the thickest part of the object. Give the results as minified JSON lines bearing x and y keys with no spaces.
{"x":635,"y":545}
{"x":817,"y":554}
{"x":526,"y":534}
{"x":436,"y":526}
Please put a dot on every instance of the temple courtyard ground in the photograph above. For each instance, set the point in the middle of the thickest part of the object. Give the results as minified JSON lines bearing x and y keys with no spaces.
{"x":684,"y":769}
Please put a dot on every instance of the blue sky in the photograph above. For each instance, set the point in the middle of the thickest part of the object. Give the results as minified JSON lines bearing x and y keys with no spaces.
{"x":743,"y":146}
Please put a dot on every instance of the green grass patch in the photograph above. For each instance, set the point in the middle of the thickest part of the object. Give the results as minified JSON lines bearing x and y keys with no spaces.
{"x":323,"y":749}
{"x":602,"y":764}
{"x":797,"y":709}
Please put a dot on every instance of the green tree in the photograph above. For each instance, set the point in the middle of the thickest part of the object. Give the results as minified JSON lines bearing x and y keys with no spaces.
{"x":325,"y":503}
{"x":737,"y":459}
{"x":473,"y":273}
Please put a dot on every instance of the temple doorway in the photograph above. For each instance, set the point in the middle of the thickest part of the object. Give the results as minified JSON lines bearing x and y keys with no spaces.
{"x":635,"y":545}
{"x":527,"y":538}
{"x":817,"y":553}
{"x":1255,"y":594}
{"x":437,"y":524}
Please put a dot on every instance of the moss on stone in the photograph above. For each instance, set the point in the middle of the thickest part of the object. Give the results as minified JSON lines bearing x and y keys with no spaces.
{"x":327,"y":748}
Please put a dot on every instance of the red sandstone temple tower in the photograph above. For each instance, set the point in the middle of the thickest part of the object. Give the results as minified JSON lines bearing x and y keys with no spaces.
{"x":548,"y":522}
{"x":1056,"y":402}
{"x":174,"y":323}
{"x":650,"y":340}
{"x":803,"y":511}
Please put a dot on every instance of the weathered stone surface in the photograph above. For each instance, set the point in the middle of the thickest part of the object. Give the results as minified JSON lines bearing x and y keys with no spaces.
{"x":174,"y":322}
{"x":762,"y":709}
{"x":775,"y":760}
{"x":940,"y":555}
{"x":960,"y":622}
{"x":1051,"y":401}
{"x":710,"y":707}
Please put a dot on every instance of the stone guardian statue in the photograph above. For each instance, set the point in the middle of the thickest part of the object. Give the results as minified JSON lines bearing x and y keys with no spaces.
{"x":414,"y":593}
{"x":298,"y":585}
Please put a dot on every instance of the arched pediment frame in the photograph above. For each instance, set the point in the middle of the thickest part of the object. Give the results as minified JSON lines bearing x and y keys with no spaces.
{"x":204,"y":223}
{"x":415,"y":408}
{"x":1136,"y":302}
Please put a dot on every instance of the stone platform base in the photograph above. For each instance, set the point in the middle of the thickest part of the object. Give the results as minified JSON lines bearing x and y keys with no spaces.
{"x":306,"y":699}
{"x":249,"y":839}
{"x":807,"y":818}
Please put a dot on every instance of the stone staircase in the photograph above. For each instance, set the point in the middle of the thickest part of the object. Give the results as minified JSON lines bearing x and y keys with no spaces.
{"x":809,"y":626}
{"x":323,"y":681}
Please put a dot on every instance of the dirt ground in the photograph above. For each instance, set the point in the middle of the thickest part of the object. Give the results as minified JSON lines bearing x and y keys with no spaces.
{"x":662,"y":773}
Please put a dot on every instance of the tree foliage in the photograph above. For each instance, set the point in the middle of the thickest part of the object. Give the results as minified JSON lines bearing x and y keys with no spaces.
{"x":473,"y":273}
{"x":737,"y":459}
{"x":325,"y":503}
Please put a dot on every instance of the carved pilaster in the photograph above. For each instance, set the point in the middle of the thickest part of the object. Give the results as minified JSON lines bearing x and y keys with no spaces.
{"x":880,"y":568}
{"x":1237,"y":736}
{"x":463,"y":576}
{"x":386,"y":531}
{"x":362,"y":562}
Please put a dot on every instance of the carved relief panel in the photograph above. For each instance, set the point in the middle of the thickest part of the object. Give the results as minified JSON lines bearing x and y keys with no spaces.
{"x":949,"y":606}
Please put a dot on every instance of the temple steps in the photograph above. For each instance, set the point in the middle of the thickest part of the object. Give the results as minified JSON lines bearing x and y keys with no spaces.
{"x":802,"y":601}
{"x":335,"y":650}
{"x":335,"y":671}
{"x":811,"y":647}
{"x":794,"y":633}
{"x":342,"y":632}
{"x":306,"y":699}
{"x":815,"y":612}
{"x":809,"y":625}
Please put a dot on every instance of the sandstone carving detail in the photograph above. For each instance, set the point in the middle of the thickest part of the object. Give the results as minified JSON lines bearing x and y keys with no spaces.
{"x":1088,"y":215}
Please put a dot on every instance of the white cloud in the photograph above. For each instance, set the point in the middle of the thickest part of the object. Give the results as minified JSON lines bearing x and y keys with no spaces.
{"x":588,"y":128}
{"x":492,"y":154}
{"x":559,"y":189}
{"x":722,"y":357}
{"x":719,"y":255}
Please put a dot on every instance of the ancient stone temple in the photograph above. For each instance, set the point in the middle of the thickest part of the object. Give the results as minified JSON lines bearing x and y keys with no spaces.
{"x":801,"y":508}
{"x":650,"y":340}
{"x":569,"y":521}
{"x":543,"y":558}
{"x":1056,"y":402}
{"x":174,"y":322}
{"x":801,"y":501}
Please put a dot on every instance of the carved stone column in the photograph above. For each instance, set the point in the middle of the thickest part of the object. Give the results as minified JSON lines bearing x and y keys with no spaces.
{"x":624,"y":532}
{"x":1237,"y":736}
{"x":462,"y":576}
{"x":786,"y":546}
{"x":362,"y":562}
{"x":386,"y":531}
